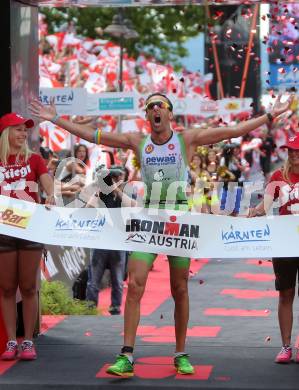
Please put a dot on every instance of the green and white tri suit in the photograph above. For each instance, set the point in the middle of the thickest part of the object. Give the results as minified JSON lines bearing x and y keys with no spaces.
{"x":164,"y":171}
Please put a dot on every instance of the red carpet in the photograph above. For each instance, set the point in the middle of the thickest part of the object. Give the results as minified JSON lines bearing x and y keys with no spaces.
{"x":49,"y":322}
{"x":255,"y":277}
{"x":157,"y":288}
{"x":219,"y":311}
{"x":249,"y":294}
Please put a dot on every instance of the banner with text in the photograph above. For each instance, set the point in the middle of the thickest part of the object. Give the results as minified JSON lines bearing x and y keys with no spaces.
{"x":151,"y":230}
{"x":76,"y":101}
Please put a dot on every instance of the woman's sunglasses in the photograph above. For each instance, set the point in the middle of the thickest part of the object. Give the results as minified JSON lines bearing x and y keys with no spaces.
{"x":158,"y":103}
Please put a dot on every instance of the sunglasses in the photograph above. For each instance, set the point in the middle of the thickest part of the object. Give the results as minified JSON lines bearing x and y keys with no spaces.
{"x":158,"y":103}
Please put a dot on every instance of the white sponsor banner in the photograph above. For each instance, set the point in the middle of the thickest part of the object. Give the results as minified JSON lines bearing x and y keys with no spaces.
{"x":113,"y":103}
{"x":76,"y":101}
{"x":68,"y":101}
{"x":151,"y":230}
{"x":129,"y":103}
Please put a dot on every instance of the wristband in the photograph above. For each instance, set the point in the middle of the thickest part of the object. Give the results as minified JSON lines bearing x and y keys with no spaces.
{"x":55,"y":119}
{"x":97,"y":136}
{"x":270,"y":117}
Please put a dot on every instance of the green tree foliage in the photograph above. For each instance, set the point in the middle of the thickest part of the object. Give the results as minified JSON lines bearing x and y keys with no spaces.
{"x":162,"y":30}
{"x":55,"y":299}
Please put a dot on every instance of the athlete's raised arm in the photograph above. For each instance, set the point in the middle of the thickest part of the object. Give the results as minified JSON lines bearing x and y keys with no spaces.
{"x":216,"y":134}
{"x":87,"y":132}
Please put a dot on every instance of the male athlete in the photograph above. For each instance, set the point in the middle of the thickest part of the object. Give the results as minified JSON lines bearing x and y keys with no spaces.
{"x":163,"y":156}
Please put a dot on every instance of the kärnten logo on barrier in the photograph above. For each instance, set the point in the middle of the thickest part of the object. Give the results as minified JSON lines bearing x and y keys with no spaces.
{"x":170,"y":234}
{"x":76,"y":224}
{"x":234,"y":236}
{"x":15,"y":217}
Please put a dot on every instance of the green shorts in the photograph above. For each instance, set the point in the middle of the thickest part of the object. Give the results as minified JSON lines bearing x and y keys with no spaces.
{"x":149,"y":258}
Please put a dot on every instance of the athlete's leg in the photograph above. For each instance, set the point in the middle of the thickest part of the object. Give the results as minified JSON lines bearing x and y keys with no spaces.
{"x":179,"y":273}
{"x":138,"y":269}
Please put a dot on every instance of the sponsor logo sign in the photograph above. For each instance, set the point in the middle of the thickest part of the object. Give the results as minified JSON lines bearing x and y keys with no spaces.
{"x":171,"y":234}
{"x":149,"y":149}
{"x":209,"y":106}
{"x":118,"y":103}
{"x":14,"y":217}
{"x":233,"y":105}
{"x":234,"y":236}
{"x":80,"y":224}
{"x":13,"y":173}
{"x":165,"y":160}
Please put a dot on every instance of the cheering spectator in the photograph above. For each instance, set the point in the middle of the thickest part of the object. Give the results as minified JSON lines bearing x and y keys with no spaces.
{"x":19,"y":259}
{"x":283,"y":185}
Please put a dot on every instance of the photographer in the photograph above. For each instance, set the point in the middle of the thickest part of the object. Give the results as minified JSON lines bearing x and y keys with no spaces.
{"x":104,"y":258}
{"x":232,"y":168}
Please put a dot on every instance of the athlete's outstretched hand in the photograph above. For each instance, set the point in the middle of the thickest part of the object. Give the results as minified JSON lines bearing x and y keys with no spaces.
{"x":39,"y":110}
{"x":279,"y":107}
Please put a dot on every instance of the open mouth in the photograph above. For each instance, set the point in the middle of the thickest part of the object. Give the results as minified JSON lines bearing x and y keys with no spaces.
{"x":157,"y":120}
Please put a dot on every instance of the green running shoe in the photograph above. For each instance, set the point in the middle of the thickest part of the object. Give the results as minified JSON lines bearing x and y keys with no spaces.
{"x":122,"y":366}
{"x":182,"y":365}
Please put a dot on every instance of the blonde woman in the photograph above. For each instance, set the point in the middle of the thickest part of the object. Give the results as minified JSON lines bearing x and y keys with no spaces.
{"x":284,"y":185}
{"x":20,"y":172}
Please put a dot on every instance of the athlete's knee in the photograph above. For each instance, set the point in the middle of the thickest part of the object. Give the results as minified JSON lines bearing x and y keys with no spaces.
{"x":179,"y":290}
{"x":135,"y":289}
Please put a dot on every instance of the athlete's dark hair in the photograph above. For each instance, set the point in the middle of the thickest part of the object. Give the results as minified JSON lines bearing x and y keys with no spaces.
{"x":160,"y":94}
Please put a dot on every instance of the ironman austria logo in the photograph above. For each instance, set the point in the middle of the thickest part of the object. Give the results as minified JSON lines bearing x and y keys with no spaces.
{"x":158,"y":233}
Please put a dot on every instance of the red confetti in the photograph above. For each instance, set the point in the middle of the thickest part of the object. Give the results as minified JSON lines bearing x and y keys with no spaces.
{"x":282,"y":70}
{"x":218,"y":15}
{"x":88,"y":333}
